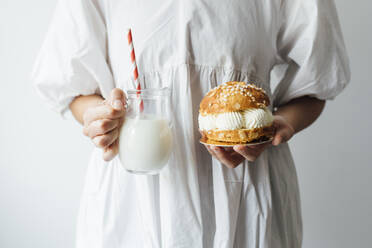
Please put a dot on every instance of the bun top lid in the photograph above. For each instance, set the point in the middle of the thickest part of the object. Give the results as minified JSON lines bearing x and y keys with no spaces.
{"x":233,"y":97}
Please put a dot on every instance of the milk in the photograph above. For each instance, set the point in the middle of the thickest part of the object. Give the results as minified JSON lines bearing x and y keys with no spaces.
{"x":145,"y":144}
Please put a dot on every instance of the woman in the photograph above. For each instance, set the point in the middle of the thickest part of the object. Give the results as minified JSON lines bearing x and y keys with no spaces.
{"x":243,"y":197}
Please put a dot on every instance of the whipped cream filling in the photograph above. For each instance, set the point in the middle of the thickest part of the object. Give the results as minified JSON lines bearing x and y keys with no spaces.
{"x":247,"y":119}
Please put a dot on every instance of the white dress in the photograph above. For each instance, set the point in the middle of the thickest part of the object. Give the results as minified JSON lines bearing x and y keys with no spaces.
{"x":191,"y":46}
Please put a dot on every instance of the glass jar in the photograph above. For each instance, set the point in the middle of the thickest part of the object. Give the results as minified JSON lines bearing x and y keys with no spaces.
{"x":145,"y":141}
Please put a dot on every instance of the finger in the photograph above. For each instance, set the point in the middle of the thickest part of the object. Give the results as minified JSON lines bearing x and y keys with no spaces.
{"x":277,"y":139}
{"x":247,"y":153}
{"x":234,"y":153}
{"x":117,"y":94}
{"x":106,"y":140}
{"x":235,"y":157}
{"x":100,"y":127}
{"x":281,"y":136}
{"x":231,"y":151}
{"x":210,"y":150}
{"x":117,"y":99}
{"x":102,"y":112}
{"x":228,"y":149}
{"x":110,"y":152}
{"x":226,"y":158}
{"x":251,"y":153}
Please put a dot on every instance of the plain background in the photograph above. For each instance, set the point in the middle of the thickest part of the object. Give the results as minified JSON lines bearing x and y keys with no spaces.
{"x":43,"y":159}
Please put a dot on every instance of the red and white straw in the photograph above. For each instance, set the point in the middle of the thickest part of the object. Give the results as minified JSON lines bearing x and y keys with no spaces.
{"x":137,"y":84}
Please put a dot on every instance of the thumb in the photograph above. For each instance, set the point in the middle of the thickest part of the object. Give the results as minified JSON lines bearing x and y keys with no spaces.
{"x":278,"y":139}
{"x":282,"y":135}
{"x":117,"y":99}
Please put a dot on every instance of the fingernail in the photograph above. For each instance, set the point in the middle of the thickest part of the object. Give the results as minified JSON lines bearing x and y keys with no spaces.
{"x":239,"y":147}
{"x":117,"y":104}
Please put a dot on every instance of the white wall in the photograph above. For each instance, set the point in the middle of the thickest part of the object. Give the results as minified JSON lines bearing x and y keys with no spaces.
{"x":43,"y":159}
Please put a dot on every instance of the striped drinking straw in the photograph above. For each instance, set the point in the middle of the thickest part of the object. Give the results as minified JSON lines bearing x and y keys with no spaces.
{"x":137,"y":84}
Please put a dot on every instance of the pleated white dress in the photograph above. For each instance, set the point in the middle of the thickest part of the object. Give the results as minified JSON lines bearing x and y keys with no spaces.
{"x":191,"y":46}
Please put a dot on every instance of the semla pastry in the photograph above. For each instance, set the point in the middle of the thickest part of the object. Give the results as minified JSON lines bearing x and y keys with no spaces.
{"x":235,"y":113}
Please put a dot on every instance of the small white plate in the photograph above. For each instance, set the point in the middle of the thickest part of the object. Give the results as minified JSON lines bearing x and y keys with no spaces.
{"x":248,"y":144}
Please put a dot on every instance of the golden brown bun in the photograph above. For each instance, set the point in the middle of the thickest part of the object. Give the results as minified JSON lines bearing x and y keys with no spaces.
{"x":241,"y":136}
{"x":233,"y":96}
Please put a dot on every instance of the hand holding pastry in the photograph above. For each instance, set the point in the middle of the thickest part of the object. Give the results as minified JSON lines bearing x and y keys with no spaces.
{"x":233,"y":156}
{"x":236,"y":114}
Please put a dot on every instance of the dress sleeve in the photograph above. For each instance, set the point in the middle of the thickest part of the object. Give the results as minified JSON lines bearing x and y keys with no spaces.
{"x":72,"y":60}
{"x":311,"y":44}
